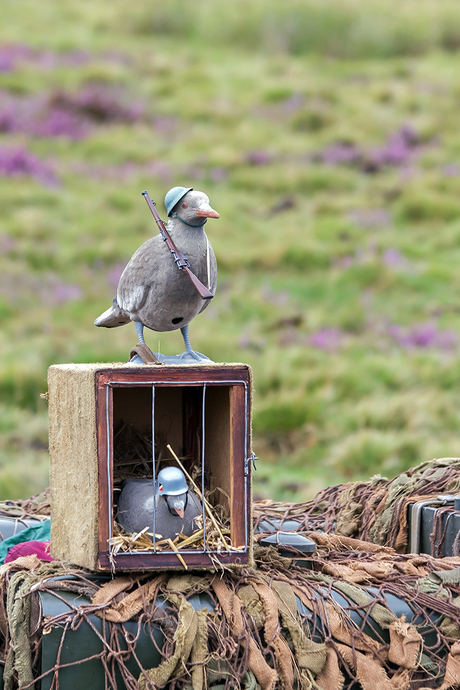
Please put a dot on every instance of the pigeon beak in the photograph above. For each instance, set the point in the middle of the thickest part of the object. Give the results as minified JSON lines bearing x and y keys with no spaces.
{"x":180,"y":512}
{"x":206,"y":212}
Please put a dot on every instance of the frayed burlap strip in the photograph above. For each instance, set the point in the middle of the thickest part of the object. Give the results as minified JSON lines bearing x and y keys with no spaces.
{"x":368,"y":670}
{"x":200,"y":653}
{"x":231,"y":606}
{"x":184,"y":638}
{"x":132,"y":604}
{"x":283,"y":655}
{"x":405,"y":644}
{"x":331,"y":677}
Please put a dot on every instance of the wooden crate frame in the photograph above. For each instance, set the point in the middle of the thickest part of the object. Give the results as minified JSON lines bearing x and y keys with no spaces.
{"x":98,"y":459}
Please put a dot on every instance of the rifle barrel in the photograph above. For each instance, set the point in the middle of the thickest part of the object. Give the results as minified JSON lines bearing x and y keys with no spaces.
{"x":179,"y":258}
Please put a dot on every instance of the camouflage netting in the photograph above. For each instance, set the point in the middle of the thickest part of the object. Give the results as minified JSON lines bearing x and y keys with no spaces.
{"x":272,"y":626}
{"x":361,"y":615}
{"x":375,"y":511}
{"x":36,"y":507}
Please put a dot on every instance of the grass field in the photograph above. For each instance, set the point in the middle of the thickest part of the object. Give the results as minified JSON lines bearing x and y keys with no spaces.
{"x":325,"y":134}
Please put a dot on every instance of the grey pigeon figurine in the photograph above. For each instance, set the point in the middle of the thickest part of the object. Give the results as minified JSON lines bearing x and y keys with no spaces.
{"x":152,"y":291}
{"x":175,"y":506}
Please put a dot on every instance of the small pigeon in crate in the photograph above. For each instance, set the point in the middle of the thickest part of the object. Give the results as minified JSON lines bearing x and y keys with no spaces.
{"x":171,"y":278}
{"x":174,"y":504}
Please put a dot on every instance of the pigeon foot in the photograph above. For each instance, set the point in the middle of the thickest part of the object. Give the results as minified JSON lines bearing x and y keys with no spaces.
{"x":184,"y":358}
{"x":192,"y":356}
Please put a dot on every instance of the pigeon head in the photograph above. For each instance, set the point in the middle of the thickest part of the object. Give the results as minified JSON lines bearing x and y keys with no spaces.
{"x":177,"y":504}
{"x":193,"y":209}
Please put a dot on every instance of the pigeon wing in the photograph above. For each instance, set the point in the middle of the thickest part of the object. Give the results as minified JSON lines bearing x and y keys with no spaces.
{"x":139,"y":275}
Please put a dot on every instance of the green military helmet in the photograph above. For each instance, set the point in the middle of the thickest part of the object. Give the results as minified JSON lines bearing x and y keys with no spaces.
{"x":174,"y":196}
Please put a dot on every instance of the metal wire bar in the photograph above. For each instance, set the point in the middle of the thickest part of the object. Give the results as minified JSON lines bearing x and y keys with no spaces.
{"x":108,"y":393}
{"x":154,"y":471}
{"x":203,"y":436}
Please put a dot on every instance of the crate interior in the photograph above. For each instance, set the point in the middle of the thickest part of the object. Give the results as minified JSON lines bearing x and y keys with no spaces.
{"x":179,"y":420}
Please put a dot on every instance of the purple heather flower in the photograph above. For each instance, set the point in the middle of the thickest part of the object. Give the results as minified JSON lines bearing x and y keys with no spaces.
{"x":65,"y":292}
{"x":194,"y":172}
{"x":61,"y":123}
{"x":392,"y":257}
{"x":218,"y":174}
{"x":8,"y":120}
{"x":341,"y":152}
{"x":12,"y":52}
{"x":7,"y":61}
{"x":164,"y":125}
{"x":292,"y":104}
{"x":61,"y":114}
{"x":344,"y":262}
{"x":396,"y":152}
{"x":114,"y":275}
{"x":18,"y":162}
{"x":160,"y":169}
{"x":258,"y":157}
{"x":328,"y":339}
{"x":280,"y":299}
{"x":6,"y":243}
{"x":451,"y":170}
{"x":447,"y":340}
{"x":49,"y":288}
{"x":76,"y":58}
{"x":97,"y":103}
{"x":423,"y":336}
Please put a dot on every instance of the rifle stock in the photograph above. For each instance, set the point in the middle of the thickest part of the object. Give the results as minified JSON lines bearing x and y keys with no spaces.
{"x":179,"y":258}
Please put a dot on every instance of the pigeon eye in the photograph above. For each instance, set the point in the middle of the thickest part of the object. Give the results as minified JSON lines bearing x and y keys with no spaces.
{"x":185,"y":204}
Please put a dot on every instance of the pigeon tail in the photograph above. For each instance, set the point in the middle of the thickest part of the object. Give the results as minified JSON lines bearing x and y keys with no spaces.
{"x":113,"y":317}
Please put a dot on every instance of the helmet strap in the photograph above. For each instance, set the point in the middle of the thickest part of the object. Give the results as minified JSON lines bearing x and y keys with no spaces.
{"x":191,"y":225}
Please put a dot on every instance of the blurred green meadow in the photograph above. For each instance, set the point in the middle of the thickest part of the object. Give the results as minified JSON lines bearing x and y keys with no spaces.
{"x":326,"y":134}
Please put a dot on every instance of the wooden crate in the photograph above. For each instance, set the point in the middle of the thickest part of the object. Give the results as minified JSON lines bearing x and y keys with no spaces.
{"x":202,"y":411}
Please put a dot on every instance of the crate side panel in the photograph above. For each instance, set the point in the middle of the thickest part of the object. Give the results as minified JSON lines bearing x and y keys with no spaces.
{"x":239,"y":481}
{"x":73,"y":464}
{"x":218,"y":444}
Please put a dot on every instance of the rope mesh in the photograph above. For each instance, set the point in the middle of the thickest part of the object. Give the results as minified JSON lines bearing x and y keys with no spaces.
{"x":361,"y":614}
{"x":276,"y":625}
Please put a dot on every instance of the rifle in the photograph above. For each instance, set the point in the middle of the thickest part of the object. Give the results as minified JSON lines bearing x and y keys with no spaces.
{"x":179,"y":258}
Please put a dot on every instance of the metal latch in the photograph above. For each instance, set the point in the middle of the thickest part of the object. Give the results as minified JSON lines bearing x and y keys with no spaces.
{"x":253,"y":457}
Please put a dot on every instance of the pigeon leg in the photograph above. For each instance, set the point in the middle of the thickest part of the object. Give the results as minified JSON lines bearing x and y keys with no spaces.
{"x":140,"y":331}
{"x":188,"y":347}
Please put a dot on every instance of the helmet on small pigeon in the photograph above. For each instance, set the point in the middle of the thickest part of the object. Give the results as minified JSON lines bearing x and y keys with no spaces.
{"x":171,"y":482}
{"x":174,"y":196}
